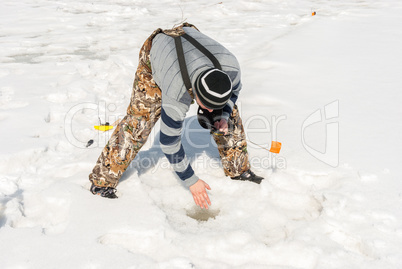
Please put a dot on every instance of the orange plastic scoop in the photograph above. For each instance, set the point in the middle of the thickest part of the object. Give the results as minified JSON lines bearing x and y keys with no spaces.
{"x":275,"y":147}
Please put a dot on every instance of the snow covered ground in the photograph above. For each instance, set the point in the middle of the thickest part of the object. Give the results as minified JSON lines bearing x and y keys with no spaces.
{"x":327,"y":86}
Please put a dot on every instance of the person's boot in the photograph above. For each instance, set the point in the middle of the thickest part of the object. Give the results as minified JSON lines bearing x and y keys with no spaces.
{"x":107,"y":192}
{"x":249,"y":176}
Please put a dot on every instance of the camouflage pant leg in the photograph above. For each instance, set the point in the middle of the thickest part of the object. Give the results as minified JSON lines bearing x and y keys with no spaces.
{"x":233,"y":147}
{"x":133,"y":130}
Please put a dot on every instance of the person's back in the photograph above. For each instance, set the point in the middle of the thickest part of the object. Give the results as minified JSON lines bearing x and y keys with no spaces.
{"x":166,"y":69}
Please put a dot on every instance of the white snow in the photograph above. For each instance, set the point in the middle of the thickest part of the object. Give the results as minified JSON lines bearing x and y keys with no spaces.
{"x":327,"y":85}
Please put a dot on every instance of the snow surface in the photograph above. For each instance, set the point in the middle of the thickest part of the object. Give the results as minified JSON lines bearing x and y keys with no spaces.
{"x":66,"y":63}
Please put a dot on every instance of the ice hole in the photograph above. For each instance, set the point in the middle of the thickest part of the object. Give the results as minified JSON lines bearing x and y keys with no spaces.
{"x":201,"y":214}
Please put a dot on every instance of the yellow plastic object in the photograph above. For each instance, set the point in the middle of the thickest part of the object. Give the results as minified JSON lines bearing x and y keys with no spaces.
{"x":103,"y":128}
{"x":275,"y":147}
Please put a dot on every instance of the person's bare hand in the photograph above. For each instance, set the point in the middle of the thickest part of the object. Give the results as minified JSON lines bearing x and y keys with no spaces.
{"x":221,"y":126}
{"x":198,"y":190}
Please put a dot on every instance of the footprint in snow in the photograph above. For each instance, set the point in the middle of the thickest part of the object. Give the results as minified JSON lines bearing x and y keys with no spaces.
{"x":7,"y":99}
{"x":33,"y":210}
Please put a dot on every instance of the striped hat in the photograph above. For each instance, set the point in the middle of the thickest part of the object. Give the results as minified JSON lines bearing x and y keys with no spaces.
{"x":213,"y":87}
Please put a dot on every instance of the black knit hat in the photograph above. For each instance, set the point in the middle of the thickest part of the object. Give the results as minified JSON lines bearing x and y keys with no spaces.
{"x":214,"y":88}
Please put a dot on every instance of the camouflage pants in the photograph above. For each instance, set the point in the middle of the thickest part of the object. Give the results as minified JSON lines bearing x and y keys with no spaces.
{"x":143,"y":112}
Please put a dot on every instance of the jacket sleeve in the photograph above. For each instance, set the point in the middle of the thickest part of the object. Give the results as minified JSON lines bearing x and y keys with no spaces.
{"x":236,"y":86}
{"x":172,"y":118}
{"x":227,"y":109}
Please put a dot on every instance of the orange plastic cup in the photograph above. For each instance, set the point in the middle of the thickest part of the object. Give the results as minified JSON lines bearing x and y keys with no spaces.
{"x":275,"y":147}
